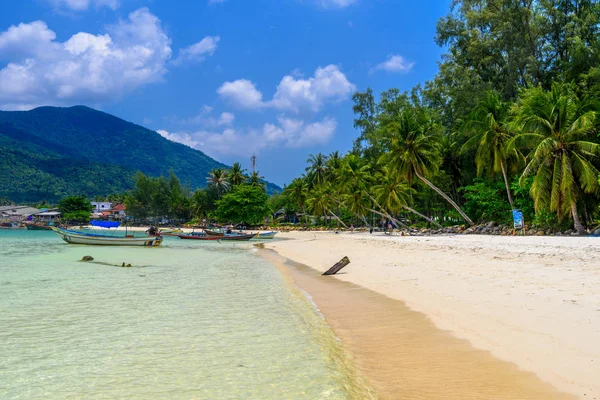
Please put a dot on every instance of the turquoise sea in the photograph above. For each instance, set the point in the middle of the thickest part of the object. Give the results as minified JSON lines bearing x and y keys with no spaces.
{"x":188,"y":320}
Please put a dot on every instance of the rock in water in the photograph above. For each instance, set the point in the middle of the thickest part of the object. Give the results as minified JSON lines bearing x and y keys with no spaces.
{"x":87,"y":258}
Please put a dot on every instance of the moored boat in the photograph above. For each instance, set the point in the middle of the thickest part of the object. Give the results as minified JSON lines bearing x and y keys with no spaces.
{"x":9,"y":225}
{"x":265,"y":235}
{"x":37,"y":227}
{"x":238,"y":237}
{"x":226,"y":237}
{"x":75,"y":237}
{"x":200,"y":237}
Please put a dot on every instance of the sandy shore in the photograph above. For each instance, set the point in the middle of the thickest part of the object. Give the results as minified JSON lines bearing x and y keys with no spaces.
{"x":533,"y":302}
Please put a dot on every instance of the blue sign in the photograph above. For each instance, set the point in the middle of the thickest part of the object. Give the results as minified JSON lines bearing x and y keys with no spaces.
{"x":518,"y":219}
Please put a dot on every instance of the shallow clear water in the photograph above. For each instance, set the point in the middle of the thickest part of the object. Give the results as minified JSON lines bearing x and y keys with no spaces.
{"x":188,"y":320}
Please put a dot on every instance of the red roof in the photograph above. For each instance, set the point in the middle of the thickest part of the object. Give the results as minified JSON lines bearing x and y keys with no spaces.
{"x":119,"y":207}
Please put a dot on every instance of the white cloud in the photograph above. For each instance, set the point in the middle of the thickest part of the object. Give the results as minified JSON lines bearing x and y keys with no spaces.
{"x":287,"y":132}
{"x":85,"y":68}
{"x":206,"y":119}
{"x":297,"y":133}
{"x":395,"y":63}
{"x":82,"y":5}
{"x":329,"y":84}
{"x":182,"y":138}
{"x":241,"y":93}
{"x":335,"y":3}
{"x":198,"y":51}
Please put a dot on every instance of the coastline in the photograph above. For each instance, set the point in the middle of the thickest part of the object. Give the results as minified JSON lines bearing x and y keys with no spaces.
{"x":508,"y":298}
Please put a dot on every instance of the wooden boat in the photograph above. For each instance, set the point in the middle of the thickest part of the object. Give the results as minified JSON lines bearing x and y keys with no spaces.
{"x":37,"y":227}
{"x":214,"y":232}
{"x":9,"y":225}
{"x":171,"y":232}
{"x":75,"y":237}
{"x":200,"y":237}
{"x":265,"y":235}
{"x":237,"y":236}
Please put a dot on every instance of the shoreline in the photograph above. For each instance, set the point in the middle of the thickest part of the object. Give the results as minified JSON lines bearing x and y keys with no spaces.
{"x":505,"y":296}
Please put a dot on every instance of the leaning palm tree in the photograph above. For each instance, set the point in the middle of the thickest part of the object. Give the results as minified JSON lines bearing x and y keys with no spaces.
{"x":236,"y":175}
{"x":322,"y":200}
{"x":316,"y":169}
{"x":488,"y":128}
{"x":391,"y":193}
{"x":414,"y":151}
{"x":558,"y":126}
{"x":218,"y":179}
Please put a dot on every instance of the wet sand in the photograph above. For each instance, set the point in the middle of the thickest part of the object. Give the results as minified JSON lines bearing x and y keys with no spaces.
{"x":423,"y":354}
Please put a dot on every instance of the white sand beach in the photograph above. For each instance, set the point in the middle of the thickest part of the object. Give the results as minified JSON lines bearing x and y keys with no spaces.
{"x":531,"y":301}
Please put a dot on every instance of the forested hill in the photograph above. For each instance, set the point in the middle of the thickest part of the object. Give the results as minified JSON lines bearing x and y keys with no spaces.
{"x":50,"y":152}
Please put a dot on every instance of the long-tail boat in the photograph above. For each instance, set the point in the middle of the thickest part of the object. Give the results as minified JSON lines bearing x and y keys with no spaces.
{"x":92,"y":238}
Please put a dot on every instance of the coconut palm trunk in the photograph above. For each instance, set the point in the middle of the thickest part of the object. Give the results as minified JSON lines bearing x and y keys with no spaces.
{"x":336,"y":217}
{"x":388,"y":216}
{"x":407,"y":208}
{"x":576,"y":221}
{"x":508,"y":192}
{"x":445,"y":196}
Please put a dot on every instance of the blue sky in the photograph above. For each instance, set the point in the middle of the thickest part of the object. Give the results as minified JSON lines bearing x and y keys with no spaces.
{"x":228,"y":77}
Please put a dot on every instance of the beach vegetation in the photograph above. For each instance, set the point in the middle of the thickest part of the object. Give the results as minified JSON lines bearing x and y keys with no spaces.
{"x":510,"y":121}
{"x":75,"y":209}
{"x":245,"y":204}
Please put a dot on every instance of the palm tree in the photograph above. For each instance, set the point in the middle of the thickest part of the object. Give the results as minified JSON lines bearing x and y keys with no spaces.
{"x":414,"y":151}
{"x":316,"y":169}
{"x":488,"y":127}
{"x":236,"y":174}
{"x":218,"y":179}
{"x":297,"y":193}
{"x":256,"y":180}
{"x":321,"y":201}
{"x":392,"y":194}
{"x":332,"y":165}
{"x":556,"y":125}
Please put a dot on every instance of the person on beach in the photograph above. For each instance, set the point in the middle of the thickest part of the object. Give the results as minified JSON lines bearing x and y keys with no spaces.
{"x":351,"y":228}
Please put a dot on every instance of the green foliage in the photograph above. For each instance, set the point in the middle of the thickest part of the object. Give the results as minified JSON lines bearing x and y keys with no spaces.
{"x":157,"y":197}
{"x":485,"y":202}
{"x":75,"y":208}
{"x":244,"y":204}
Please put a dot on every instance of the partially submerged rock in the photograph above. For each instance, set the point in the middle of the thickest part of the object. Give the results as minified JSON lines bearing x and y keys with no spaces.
{"x":87,"y":258}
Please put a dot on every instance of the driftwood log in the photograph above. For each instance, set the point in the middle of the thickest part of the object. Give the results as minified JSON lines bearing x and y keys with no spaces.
{"x":338,"y":266}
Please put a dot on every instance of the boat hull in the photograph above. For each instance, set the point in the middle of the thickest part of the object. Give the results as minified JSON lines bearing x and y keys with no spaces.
{"x":239,"y":238}
{"x":265,"y":235}
{"x":37,"y":227}
{"x":74,"y":238}
{"x":226,"y":238}
{"x":200,"y":237}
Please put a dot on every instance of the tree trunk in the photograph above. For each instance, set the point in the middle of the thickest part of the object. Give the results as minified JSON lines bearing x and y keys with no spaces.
{"x":577,"y":223}
{"x":385,"y":214}
{"x":510,"y":199}
{"x":338,"y":218}
{"x":388,"y":216}
{"x":421,"y":215}
{"x":445,"y":196}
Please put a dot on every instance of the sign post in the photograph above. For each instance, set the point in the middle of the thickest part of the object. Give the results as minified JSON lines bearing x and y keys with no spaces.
{"x":518,"y":221}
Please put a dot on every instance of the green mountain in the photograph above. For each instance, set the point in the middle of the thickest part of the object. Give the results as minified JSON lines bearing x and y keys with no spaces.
{"x":50,"y":152}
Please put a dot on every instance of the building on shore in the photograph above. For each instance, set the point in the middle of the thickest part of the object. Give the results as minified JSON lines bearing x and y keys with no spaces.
{"x":101,"y":206}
